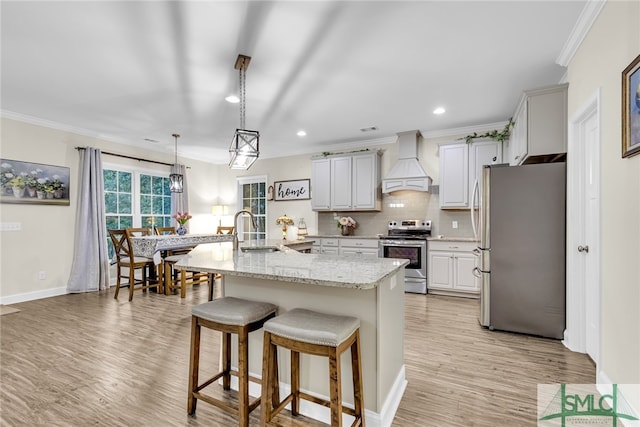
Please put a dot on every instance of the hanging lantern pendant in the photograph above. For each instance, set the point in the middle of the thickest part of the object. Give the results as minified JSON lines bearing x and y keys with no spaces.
{"x":245,"y":146}
{"x":176,"y":180}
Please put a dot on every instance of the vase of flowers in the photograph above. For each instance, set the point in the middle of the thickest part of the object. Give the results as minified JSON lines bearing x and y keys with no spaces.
{"x":182,"y":218}
{"x":346,"y":224}
{"x":284,"y":221}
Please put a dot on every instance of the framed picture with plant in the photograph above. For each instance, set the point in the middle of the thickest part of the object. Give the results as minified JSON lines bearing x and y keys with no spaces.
{"x":33,"y":183}
{"x":631,"y":109}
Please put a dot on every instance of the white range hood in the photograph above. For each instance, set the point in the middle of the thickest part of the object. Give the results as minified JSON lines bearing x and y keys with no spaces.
{"x":407,"y":173}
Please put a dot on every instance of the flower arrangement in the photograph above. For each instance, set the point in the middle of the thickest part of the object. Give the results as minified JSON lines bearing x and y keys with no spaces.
{"x":347,"y":221}
{"x":182,"y":217}
{"x":17,"y":182}
{"x":31,"y":179}
{"x":7,"y":172}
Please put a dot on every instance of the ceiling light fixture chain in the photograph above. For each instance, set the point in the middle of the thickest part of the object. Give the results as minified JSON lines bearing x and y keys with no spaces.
{"x":245,"y":145}
{"x":243,"y":93}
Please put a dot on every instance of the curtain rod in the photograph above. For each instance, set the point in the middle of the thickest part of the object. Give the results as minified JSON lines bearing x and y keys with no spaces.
{"x":132,"y":158}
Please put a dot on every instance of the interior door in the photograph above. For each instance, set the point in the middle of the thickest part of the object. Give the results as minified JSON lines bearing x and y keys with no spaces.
{"x":583,"y":237}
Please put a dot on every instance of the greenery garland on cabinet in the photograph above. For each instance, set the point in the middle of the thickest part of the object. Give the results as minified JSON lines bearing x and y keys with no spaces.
{"x":500,"y":136}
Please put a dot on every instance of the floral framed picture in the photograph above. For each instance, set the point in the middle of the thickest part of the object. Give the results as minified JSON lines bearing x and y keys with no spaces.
{"x":291,"y":190}
{"x":33,"y":183}
{"x":631,"y":109}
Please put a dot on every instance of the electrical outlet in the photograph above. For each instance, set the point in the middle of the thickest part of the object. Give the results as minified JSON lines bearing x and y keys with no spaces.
{"x":42,"y":275}
{"x":454,"y":224}
{"x":10,"y":226}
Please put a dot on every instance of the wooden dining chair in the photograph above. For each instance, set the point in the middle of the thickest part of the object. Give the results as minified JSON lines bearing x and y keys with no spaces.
{"x":173,"y":279}
{"x":222,"y":229}
{"x":127,"y":260}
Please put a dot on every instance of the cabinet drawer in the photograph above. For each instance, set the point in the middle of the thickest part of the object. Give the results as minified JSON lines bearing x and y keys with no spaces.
{"x":438,"y":245}
{"x":330,"y":242}
{"x":359,"y":243}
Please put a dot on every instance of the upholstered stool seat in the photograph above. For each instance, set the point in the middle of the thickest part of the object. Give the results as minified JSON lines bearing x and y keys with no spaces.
{"x":230,"y":316}
{"x":320,"y":334}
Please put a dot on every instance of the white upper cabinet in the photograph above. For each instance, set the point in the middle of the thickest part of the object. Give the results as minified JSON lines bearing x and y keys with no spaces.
{"x":460,"y":166}
{"x":540,"y":128}
{"x":321,"y":184}
{"x":346,"y":182}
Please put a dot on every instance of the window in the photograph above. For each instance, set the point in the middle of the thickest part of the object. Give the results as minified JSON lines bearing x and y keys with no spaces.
{"x":252,"y":197}
{"x":135,"y":199}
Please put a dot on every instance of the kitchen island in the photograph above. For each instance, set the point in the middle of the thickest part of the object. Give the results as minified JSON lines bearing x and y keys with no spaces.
{"x":368,"y":288}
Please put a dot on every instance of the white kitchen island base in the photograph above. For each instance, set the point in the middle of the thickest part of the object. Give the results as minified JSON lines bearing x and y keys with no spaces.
{"x":370,"y":289}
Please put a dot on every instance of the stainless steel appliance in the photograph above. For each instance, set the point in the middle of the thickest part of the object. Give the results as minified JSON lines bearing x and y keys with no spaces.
{"x":407,"y":239}
{"x":522,"y":248}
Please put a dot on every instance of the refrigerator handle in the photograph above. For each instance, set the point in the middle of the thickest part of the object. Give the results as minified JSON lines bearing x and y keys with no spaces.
{"x":476,"y":272}
{"x":472,"y":210}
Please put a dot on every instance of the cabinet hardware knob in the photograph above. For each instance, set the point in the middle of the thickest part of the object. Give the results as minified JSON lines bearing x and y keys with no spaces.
{"x":584,"y":248}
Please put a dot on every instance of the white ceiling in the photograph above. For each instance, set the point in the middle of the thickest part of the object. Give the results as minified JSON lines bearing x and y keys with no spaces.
{"x":129,"y":70}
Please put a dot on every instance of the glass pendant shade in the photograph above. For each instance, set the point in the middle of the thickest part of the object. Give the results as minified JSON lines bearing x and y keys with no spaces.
{"x":245,"y":148}
{"x":175,"y":183}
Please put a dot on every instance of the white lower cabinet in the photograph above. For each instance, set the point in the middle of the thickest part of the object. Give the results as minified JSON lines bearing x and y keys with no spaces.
{"x":360,"y":247}
{"x":450,"y":268}
{"x":346,"y":246}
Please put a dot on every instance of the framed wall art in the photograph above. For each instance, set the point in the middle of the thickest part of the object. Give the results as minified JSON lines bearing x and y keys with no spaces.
{"x":631,"y":109}
{"x":291,"y":190}
{"x":33,"y":183}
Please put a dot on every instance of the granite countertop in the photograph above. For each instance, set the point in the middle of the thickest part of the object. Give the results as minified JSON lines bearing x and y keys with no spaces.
{"x":289,"y":265}
{"x":334,"y":236}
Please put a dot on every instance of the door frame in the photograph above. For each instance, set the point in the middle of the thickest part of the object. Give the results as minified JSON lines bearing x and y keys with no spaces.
{"x":575,"y":337}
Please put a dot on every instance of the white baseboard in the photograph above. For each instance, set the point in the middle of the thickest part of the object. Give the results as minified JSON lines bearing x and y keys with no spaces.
{"x":30,"y":296}
{"x":321,"y":413}
{"x":605,"y":386}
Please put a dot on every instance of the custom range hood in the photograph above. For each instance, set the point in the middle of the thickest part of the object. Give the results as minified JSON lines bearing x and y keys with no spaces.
{"x":407,"y":173}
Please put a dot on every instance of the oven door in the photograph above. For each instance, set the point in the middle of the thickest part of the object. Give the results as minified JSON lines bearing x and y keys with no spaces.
{"x":413,"y":250}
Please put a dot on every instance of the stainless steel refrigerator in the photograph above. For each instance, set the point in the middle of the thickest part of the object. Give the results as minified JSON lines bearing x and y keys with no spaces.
{"x":522,"y":248}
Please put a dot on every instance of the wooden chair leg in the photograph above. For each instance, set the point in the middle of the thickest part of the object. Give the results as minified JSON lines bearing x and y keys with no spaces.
{"x":194,"y":365}
{"x":266,"y":402}
{"x":119,"y":273}
{"x":275,"y":396}
{"x":132,"y":281}
{"x":335,"y":389}
{"x":183,"y":283}
{"x":356,"y":368}
{"x":243,"y":377}
{"x":226,"y":360}
{"x":295,"y":382}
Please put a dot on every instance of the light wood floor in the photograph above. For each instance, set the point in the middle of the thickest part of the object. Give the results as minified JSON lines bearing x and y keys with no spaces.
{"x":87,"y":359}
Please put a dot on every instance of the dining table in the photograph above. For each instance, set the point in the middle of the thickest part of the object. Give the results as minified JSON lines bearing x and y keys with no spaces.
{"x":158,"y":247}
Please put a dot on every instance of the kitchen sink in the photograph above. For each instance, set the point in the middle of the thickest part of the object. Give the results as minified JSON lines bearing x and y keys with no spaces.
{"x":260,"y":249}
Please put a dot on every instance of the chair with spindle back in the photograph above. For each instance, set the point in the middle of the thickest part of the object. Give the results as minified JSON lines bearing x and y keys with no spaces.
{"x":126,"y":259}
{"x":222,"y":229}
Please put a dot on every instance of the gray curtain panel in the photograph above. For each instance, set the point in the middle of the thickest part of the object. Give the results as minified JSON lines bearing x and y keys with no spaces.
{"x":180,"y":201}
{"x":90,"y":268}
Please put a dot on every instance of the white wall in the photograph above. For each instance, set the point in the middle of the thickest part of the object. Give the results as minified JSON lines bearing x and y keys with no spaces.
{"x":612,"y":43}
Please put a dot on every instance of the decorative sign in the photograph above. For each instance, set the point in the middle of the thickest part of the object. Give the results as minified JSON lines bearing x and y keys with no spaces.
{"x":291,"y":190}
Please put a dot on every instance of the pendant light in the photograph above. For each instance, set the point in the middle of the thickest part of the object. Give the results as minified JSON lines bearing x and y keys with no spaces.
{"x":244,"y":150}
{"x":176,"y":179}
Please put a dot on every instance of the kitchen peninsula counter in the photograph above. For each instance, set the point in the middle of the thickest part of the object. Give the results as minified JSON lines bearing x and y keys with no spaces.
{"x":371,"y":289}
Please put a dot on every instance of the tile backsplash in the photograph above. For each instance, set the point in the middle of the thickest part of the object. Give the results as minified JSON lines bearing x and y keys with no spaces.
{"x":402,"y":205}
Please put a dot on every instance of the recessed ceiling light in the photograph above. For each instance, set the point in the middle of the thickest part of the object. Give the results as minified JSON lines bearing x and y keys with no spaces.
{"x":301,"y":133}
{"x":439,"y":110}
{"x":368,"y":129}
{"x":232,"y":99}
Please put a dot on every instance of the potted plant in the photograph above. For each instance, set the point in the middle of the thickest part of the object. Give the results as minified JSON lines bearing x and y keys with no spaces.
{"x":18,"y":184}
{"x":31,"y":181}
{"x":41,"y":188}
{"x":57,"y":186}
{"x":6,"y":174}
{"x":182,"y":218}
{"x":347,"y":225}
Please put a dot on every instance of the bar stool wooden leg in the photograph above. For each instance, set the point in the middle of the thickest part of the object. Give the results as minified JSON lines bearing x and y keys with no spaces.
{"x":267,"y":381}
{"x":295,"y":381}
{"x":335,"y":388}
{"x":194,"y":365}
{"x":226,"y":360}
{"x":356,"y":367}
{"x":243,"y":371}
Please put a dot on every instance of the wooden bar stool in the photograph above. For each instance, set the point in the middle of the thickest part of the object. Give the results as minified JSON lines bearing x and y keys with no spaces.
{"x":230,"y":316}
{"x":305,"y":331}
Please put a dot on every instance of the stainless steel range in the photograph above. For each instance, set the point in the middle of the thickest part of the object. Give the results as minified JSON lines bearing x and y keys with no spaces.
{"x":408,"y":239}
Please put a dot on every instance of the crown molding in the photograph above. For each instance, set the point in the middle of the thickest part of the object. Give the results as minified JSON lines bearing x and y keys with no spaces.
{"x":465,"y":130}
{"x":580,"y":30}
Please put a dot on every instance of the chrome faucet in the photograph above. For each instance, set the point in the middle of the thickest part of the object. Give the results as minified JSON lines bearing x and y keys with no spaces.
{"x":235,"y":226}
